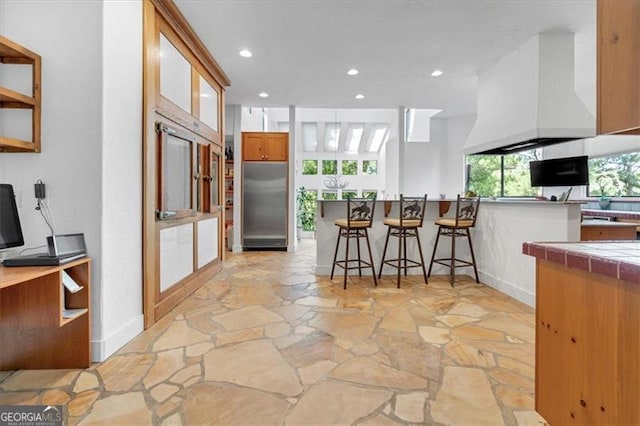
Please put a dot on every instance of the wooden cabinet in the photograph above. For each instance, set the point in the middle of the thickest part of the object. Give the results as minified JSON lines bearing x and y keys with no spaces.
{"x":587,"y":347}
{"x":265,"y":146}
{"x":618,"y":51}
{"x":42,"y":324}
{"x":13,"y":54}
{"x":604,"y":230}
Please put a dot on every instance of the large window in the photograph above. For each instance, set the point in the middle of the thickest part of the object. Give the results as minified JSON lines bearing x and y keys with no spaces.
{"x":502,"y":175}
{"x":615,"y":176}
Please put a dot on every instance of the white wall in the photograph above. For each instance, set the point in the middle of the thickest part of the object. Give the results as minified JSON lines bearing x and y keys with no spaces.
{"x":424,"y":162}
{"x":121,"y":176}
{"x":437,"y":167}
{"x":91,"y":146}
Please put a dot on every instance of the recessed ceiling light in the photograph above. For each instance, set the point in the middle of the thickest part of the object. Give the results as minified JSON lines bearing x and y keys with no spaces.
{"x":436,"y":73}
{"x":353,"y":71}
{"x":359,"y":96}
{"x":263,"y":95}
{"x":245,"y":53}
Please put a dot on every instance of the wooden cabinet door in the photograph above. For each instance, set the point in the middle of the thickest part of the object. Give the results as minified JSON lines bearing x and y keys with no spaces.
{"x":276,"y":146}
{"x":252,"y":147}
{"x":618,"y":67}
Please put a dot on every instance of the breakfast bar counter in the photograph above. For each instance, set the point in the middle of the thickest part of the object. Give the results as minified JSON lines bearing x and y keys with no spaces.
{"x":501,"y":227}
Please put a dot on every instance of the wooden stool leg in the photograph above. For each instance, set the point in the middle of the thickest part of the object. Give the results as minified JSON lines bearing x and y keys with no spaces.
{"x":346,"y":259}
{"x":359,"y":258}
{"x":473,"y":257}
{"x":453,"y":256}
{"x":335,"y":255}
{"x":435,"y":247}
{"x":373,"y":269}
{"x":424,"y":272}
{"x":384,"y":251}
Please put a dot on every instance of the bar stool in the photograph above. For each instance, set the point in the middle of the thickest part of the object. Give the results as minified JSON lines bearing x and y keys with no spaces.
{"x":359,"y":219}
{"x":409,"y":221}
{"x":466,"y":214}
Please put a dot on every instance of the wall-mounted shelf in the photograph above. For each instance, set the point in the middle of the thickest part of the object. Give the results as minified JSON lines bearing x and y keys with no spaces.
{"x":13,"y":53}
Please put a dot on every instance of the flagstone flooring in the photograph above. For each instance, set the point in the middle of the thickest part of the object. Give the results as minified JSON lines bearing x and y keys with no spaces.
{"x":268,"y":342}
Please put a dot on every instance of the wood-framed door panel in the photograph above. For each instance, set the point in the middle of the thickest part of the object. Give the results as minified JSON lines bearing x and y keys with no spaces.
{"x":161,"y":16}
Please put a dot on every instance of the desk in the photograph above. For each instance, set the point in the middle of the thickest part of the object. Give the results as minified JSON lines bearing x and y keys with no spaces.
{"x":34,"y":332}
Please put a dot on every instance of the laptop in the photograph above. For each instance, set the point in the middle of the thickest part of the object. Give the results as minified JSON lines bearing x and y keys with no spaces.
{"x":61,"y":249}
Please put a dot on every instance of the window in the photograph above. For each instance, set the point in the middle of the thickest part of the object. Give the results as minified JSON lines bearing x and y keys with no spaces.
{"x":309,"y":137}
{"x":349,"y":167}
{"x":370,"y":167}
{"x":349,"y":194}
{"x":329,"y":167}
{"x":369,"y":194}
{"x":309,"y":167}
{"x":615,"y":176}
{"x":331,"y":136}
{"x":502,"y":175}
{"x":329,"y":195}
{"x":307,"y":207}
{"x":354,"y":136}
{"x":176,"y":160}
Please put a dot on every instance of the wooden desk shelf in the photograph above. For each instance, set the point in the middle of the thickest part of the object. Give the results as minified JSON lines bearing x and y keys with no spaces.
{"x":33,"y":330}
{"x":14,"y":54}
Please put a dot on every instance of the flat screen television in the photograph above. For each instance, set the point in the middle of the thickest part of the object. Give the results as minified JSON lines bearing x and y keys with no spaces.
{"x":10,"y":230}
{"x":567,"y":171}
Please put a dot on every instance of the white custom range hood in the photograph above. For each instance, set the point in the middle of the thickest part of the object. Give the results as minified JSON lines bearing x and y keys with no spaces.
{"x":528,"y":99}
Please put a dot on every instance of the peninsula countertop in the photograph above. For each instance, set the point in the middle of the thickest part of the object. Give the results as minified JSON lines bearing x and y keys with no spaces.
{"x":615,"y":259}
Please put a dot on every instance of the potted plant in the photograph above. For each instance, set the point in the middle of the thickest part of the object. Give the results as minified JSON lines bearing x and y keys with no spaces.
{"x":306,"y":217}
{"x":604,"y":201}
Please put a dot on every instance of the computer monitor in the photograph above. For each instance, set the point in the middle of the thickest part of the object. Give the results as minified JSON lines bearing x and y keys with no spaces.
{"x":10,"y":229}
{"x":567,"y":171}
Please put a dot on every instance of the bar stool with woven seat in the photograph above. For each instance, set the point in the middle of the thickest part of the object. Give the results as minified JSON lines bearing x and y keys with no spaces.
{"x":466,"y":214}
{"x":359,"y":219}
{"x":406,"y":225}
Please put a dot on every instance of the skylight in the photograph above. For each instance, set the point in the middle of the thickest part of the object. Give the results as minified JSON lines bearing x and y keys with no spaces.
{"x":354,"y":136}
{"x":377,"y":137}
{"x":309,"y":137}
{"x":331,"y":136}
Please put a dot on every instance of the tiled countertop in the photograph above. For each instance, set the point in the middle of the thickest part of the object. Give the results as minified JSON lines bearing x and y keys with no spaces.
{"x":616,"y":259}
{"x":620,"y":214}
{"x":596,"y":222}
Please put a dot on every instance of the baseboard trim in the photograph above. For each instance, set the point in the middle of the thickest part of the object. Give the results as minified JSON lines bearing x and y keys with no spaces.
{"x":508,"y":288}
{"x":103,"y":349}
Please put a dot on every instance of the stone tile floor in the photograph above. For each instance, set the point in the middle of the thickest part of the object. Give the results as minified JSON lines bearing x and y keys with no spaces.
{"x":268,"y":342}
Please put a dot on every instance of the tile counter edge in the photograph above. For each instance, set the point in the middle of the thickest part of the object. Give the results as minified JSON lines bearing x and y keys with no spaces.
{"x":616,"y":259}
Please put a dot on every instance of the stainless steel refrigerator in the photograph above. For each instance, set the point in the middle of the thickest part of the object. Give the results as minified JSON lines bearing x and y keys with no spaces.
{"x":264,"y":205}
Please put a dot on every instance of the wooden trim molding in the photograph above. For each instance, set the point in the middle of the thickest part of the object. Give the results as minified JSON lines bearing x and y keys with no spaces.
{"x":175,"y":18}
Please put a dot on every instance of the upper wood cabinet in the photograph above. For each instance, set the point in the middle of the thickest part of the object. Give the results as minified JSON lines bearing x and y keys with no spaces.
{"x":13,"y":54}
{"x":618,"y":47}
{"x":265,"y":146}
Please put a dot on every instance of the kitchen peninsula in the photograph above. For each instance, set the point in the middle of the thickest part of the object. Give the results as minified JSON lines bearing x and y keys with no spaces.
{"x":587,"y":335}
{"x":501,"y":227}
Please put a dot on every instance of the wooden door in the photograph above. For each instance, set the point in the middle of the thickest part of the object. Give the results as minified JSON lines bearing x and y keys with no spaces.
{"x":252,"y":146}
{"x":276,"y":146}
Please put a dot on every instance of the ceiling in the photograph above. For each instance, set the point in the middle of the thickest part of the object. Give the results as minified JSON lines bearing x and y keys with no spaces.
{"x":303,"y":49}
